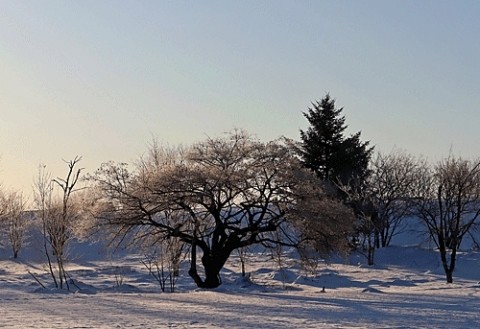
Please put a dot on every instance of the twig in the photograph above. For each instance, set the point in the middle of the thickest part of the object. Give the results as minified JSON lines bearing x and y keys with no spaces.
{"x":36,"y":279}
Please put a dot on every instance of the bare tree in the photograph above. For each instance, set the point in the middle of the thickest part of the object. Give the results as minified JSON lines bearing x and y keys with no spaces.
{"x":163,"y":255}
{"x":229,"y":192}
{"x":360,"y":199}
{"x":14,"y":220}
{"x":242,"y":256}
{"x":43,"y":190}
{"x":163,"y":261}
{"x":391,"y":185}
{"x":448,"y":202}
{"x":58,"y":216}
{"x":3,"y":212}
{"x":383,"y":200}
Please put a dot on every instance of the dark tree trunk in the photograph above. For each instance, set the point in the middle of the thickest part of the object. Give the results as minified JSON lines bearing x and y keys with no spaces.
{"x":377,"y":238}
{"x":448,"y":267}
{"x":371,"y":242}
{"x":449,"y":275}
{"x":371,"y":255}
{"x":212,"y":273}
{"x":213,"y":263}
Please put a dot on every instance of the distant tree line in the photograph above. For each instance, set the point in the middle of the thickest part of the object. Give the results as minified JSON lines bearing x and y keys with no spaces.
{"x":327,"y":193}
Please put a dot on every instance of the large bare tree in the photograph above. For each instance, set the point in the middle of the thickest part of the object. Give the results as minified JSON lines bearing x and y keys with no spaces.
{"x":448,"y":202}
{"x":227,"y":193}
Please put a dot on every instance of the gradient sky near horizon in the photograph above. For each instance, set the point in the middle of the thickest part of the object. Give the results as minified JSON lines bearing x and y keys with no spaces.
{"x":101,"y":79}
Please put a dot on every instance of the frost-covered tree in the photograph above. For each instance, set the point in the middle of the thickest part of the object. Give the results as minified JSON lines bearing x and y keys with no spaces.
{"x":323,"y":221}
{"x":58,"y":213}
{"x":14,"y":220}
{"x":228,"y":192}
{"x":391,"y":186}
{"x":385,"y":199}
{"x":448,"y":203}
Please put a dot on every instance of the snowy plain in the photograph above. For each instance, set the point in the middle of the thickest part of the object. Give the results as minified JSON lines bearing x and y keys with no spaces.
{"x":405,"y":289}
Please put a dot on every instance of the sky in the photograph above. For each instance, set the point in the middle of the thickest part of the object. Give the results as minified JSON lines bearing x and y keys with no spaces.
{"x":102,"y":79}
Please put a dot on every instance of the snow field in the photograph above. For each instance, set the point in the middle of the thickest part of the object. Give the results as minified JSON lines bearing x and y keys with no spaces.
{"x":406,"y":290}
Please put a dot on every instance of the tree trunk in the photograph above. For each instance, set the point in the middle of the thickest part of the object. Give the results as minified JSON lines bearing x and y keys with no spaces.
{"x":212,"y":264}
{"x":242,"y":261}
{"x":212,"y":276}
{"x":377,"y":238}
{"x":175,"y":262}
{"x":449,"y":274}
{"x":371,"y":250}
{"x":60,"y":272}
{"x":193,"y":265}
{"x":448,"y":268}
{"x":371,"y":255}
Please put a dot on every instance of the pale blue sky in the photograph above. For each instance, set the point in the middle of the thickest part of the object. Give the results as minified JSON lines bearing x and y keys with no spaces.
{"x":101,"y":78}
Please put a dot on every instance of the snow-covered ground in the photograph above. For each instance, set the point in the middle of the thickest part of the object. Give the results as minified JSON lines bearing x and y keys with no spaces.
{"x":406,"y":289}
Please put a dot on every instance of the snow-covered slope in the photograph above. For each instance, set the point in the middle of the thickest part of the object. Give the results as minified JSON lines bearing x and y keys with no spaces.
{"x":405,"y":289}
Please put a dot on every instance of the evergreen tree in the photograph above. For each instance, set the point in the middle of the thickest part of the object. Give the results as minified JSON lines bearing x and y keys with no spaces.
{"x":325,"y":149}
